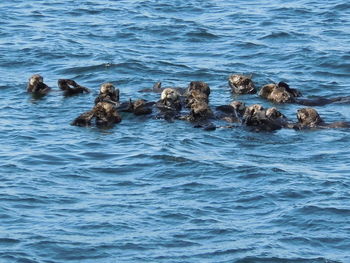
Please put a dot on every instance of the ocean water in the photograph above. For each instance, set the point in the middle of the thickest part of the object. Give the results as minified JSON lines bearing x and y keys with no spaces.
{"x":148,"y":190}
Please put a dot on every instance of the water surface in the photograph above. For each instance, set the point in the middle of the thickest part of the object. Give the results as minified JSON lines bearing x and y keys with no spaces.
{"x":152,"y":191}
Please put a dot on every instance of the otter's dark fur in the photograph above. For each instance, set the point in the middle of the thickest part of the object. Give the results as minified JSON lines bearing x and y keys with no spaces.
{"x":197,"y":90}
{"x":282,"y":93}
{"x":309,"y":118}
{"x":169,"y":100}
{"x":279,"y":93}
{"x":197,"y":98}
{"x":241,"y":84}
{"x":108,"y":93}
{"x":260,"y":119}
{"x":104,"y":113}
{"x":138,"y":107}
{"x":70,"y":87}
{"x":232,"y":112}
{"x":36,"y":85}
{"x":169,"y":104}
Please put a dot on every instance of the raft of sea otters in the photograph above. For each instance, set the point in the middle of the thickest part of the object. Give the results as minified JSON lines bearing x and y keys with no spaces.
{"x":195,"y":98}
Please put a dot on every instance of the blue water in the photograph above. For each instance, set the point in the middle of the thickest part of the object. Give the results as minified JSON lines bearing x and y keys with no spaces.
{"x":152,"y":191}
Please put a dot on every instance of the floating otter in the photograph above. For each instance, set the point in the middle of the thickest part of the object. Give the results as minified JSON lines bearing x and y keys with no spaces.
{"x":282,"y":93}
{"x":200,"y":115}
{"x":70,"y":87}
{"x":200,"y":111}
{"x":197,"y":90}
{"x":199,"y":86}
{"x":197,"y":98}
{"x":169,"y":100}
{"x":232,"y":112}
{"x":108,"y":93}
{"x":195,"y":95}
{"x":105,"y":115}
{"x":138,"y":107}
{"x":260,"y":119}
{"x":37,"y":86}
{"x":241,"y":84}
{"x":169,"y":104}
{"x":309,"y":118}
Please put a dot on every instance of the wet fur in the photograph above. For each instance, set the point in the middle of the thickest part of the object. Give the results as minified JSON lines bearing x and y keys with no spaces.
{"x":241,"y":84}
{"x":108,"y":93}
{"x":36,"y":86}
{"x":104,"y":113}
{"x":70,"y":87}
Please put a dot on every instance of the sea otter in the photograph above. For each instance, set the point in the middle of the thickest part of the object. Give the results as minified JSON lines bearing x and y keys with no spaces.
{"x":36,"y":85}
{"x":200,"y":115}
{"x":194,"y":95}
{"x":260,"y":119}
{"x":282,"y":93}
{"x":197,"y":90}
{"x":197,"y":99}
{"x":108,"y":93}
{"x":70,"y":87}
{"x":169,"y":105}
{"x":169,"y":100}
{"x":199,"y":86}
{"x":138,"y":107}
{"x":105,"y":115}
{"x":232,"y":112}
{"x":309,"y":118}
{"x":241,"y":84}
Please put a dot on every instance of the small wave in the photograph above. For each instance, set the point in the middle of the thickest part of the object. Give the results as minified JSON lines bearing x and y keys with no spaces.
{"x":17,"y":256}
{"x":251,"y":259}
{"x":174,"y":216}
{"x":179,"y":243}
{"x":313,"y":209}
{"x":9,"y":241}
{"x":176,"y":159}
{"x":201,"y":34}
{"x":292,"y":11}
{"x":276,"y":35}
{"x":342,"y":7}
{"x":87,"y":69}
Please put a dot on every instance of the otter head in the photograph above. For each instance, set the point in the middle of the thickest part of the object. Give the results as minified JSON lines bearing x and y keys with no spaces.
{"x":35,"y":79}
{"x":253,"y":109}
{"x":308,"y":117}
{"x":238,"y":106}
{"x":254,"y":114}
{"x":241,"y":84}
{"x":109,"y":89}
{"x":169,"y":94}
{"x":199,"y":86}
{"x":280,"y":95}
{"x":266,"y":90}
{"x":292,"y":92}
{"x":273,"y":113}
